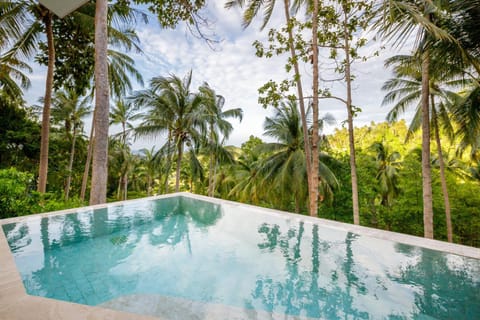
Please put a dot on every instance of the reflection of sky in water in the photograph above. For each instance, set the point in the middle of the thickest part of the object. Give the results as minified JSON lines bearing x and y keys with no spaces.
{"x":200,"y":251}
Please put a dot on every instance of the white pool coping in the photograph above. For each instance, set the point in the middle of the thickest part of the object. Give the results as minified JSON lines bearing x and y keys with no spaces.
{"x":15,"y":303}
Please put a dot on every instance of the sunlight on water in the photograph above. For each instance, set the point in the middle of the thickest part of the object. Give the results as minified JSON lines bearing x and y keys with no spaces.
{"x":191,"y":249}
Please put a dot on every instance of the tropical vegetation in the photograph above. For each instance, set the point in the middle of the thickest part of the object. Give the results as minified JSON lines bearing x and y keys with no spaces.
{"x":420,"y":178}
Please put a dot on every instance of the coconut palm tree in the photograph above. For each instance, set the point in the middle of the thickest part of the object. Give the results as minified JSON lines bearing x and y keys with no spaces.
{"x":219,"y":129}
{"x":397,"y":21}
{"x":13,"y":78}
{"x":252,"y":9}
{"x":387,"y":163}
{"x":284,"y":169}
{"x":173,"y":109}
{"x":98,"y":191}
{"x":69,"y":107}
{"x":406,"y":90}
{"x":22,"y":24}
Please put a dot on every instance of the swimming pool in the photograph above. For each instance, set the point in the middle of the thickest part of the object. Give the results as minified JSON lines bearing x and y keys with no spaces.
{"x":186,"y":256}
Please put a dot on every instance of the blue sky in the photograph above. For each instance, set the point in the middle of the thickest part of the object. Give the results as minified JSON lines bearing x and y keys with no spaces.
{"x":234,"y":71}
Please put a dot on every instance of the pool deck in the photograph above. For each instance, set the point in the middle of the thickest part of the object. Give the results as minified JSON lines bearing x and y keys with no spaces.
{"x":15,"y":303}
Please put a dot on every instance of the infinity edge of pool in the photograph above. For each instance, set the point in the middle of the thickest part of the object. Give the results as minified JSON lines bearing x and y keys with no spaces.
{"x":15,"y":303}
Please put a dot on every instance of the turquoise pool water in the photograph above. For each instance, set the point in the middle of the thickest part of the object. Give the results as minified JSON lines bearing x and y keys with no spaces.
{"x":224,"y":254}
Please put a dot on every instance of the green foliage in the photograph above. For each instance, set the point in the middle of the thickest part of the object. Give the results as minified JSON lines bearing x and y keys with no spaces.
{"x":14,"y":193}
{"x":19,"y":137}
{"x":171,"y":12}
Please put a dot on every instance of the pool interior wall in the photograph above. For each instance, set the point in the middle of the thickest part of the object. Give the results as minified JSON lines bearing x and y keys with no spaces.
{"x":16,"y":304}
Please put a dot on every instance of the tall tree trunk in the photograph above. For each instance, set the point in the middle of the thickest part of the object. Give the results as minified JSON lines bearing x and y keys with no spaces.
{"x":443,"y":179}
{"x":211,"y":164}
{"x":179,"y":164}
{"x":125,"y":186}
{"x":301,"y":103}
{"x":169,"y":159}
{"x":70,"y":163}
{"x":426,"y":166}
{"x":351,"y":130}
{"x":98,"y":191}
{"x":315,"y":141}
{"x":43,"y":168}
{"x":86,"y":171}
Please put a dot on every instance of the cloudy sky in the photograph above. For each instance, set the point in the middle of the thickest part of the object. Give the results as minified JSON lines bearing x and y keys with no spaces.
{"x":233,"y":70}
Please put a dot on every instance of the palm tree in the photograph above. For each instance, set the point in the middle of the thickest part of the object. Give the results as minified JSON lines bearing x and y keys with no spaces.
{"x":173,"y":109}
{"x":22,"y":23}
{"x":123,"y":112}
{"x":406,"y":90}
{"x":12,"y":78}
{"x":397,"y":20}
{"x":150,"y":160}
{"x":219,"y":129}
{"x":466,"y":114}
{"x":69,"y":107}
{"x":98,"y":191}
{"x":284,"y":169}
{"x":387,"y":173}
{"x":252,"y":9}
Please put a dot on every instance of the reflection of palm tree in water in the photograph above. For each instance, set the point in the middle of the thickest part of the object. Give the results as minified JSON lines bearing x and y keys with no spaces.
{"x":299,"y":292}
{"x":444,"y":290}
{"x":122,"y":230}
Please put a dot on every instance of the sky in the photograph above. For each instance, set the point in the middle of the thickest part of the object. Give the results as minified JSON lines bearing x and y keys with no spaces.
{"x":233,"y":70}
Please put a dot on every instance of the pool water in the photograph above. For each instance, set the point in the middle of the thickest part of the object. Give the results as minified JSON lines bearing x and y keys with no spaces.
{"x":224,"y":254}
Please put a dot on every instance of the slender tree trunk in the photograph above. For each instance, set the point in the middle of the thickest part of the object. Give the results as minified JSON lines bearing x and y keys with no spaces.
{"x":443,"y":179}
{"x":169,"y":160}
{"x":70,"y":163}
{"x":426,"y":166}
{"x":179,"y":163}
{"x":98,"y":191}
{"x":125,"y":186}
{"x":214,"y":181}
{"x":43,"y":168}
{"x":149,"y":185}
{"x":315,"y":141}
{"x":86,"y":171}
{"x":301,"y":103}
{"x":351,"y":130}
{"x":210,"y":174}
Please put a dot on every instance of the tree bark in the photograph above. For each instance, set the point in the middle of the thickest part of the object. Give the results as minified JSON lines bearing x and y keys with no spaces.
{"x":301,"y":103}
{"x":44,"y":140}
{"x":70,"y":162}
{"x":351,"y":130}
{"x":98,"y":191}
{"x":179,"y":164}
{"x":315,"y":141}
{"x":426,"y":166}
{"x":169,"y":160}
{"x":88,"y":161}
{"x":443,"y":180}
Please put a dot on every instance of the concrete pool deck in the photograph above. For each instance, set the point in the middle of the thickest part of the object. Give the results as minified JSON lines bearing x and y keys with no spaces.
{"x":15,"y":303}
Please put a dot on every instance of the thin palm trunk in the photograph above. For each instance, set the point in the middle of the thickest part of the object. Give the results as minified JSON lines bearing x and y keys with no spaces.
{"x":149,"y":185}
{"x":443,"y":179}
{"x":314,"y":180}
{"x":70,"y":163}
{"x":98,"y":191}
{"x":211,"y":165}
{"x":86,"y":171}
{"x":351,"y":132}
{"x":301,"y":103}
{"x":169,"y":160}
{"x":426,"y":166}
{"x":125,"y":186}
{"x":43,"y":167}
{"x":210,"y":174}
{"x":179,"y":163}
